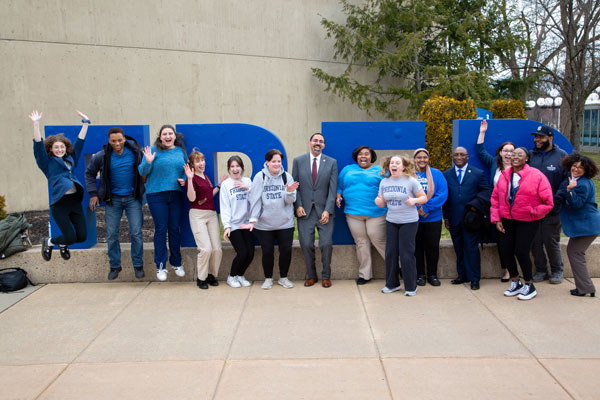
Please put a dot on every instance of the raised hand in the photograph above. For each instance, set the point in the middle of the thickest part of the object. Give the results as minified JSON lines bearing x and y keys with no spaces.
{"x":483,"y":127}
{"x":35,"y":116}
{"x":148,"y":154}
{"x":82,"y":115}
{"x":572,"y":183}
{"x":222,"y":179}
{"x":188,"y":171}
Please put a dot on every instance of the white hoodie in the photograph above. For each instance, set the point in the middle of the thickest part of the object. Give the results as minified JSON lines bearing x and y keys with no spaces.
{"x":235,"y":205}
{"x":271,"y":205}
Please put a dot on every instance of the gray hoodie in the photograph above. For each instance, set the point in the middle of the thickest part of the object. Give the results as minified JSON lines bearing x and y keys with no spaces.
{"x":271,"y":205}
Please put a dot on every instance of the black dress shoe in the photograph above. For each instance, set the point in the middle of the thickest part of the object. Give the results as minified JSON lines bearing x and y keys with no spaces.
{"x":457,"y":281}
{"x":433,"y":280}
{"x":504,"y":279}
{"x":362,"y":281}
{"x":139,"y":272}
{"x":201,"y":284}
{"x":114,"y":272}
{"x":211,"y":280}
{"x":576,"y":292}
{"x":421,"y":280}
{"x":474,"y":285}
{"x":65,"y":253}
{"x":46,"y":250}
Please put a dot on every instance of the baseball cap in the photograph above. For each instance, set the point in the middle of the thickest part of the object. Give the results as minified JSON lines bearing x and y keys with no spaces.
{"x":544,"y":131}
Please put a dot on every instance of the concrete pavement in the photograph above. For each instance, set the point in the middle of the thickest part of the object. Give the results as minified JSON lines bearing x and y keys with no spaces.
{"x":148,"y":340}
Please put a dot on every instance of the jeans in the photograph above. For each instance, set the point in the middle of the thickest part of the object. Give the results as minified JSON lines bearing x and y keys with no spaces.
{"x":165,"y":208}
{"x":112,"y":216}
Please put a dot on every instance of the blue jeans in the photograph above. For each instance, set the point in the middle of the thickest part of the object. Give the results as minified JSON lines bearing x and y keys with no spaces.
{"x":165,"y":208}
{"x":112,"y":216}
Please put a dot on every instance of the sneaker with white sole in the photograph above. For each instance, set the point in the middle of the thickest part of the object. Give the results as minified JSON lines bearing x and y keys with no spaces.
{"x":268,"y":284}
{"x":243,"y":281}
{"x":161,"y":274}
{"x":516,"y":287}
{"x":392,"y":290}
{"x":528,"y":292}
{"x":179,"y":271}
{"x":410,"y":292}
{"x":233,"y":282}
{"x":285,"y":282}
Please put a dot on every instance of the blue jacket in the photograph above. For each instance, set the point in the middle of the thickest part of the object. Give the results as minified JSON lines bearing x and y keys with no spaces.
{"x":489,"y":161}
{"x":459,"y":194}
{"x":579,"y":212}
{"x":433,"y":207}
{"x":60,"y":177}
{"x":549,"y":163}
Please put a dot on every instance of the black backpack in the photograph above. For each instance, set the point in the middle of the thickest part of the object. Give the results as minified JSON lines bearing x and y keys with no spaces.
{"x":11,"y":281}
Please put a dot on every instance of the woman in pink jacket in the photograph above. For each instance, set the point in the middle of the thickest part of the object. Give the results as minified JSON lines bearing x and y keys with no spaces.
{"x":521,"y":198}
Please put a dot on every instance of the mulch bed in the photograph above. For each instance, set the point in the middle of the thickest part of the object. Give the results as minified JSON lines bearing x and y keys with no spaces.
{"x":39,"y":226}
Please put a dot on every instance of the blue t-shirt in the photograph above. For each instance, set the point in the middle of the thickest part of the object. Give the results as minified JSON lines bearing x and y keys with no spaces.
{"x":359,"y":187}
{"x":122,"y":173}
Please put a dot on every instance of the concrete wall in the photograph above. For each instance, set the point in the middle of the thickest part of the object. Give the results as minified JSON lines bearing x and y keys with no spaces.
{"x":156,"y":62}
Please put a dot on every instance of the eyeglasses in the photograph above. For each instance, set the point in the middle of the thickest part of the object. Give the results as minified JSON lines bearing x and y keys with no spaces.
{"x":320,"y":141}
{"x":578,"y":167}
{"x":507,"y":151}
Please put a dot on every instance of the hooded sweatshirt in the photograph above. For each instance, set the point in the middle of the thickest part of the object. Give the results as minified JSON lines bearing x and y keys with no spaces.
{"x":271,"y":205}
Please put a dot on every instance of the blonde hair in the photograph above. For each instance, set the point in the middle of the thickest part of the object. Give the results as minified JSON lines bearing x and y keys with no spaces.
{"x":407,"y":164}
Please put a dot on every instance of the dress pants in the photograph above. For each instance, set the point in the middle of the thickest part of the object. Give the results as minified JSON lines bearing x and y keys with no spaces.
{"x":306,"y":236}
{"x":468,"y":260}
{"x":207,"y":234}
{"x":576,"y":253}
{"x":366,"y":231}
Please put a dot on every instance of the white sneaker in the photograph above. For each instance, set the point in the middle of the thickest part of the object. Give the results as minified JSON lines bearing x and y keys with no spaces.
{"x":516,"y":287}
{"x":161,"y":274}
{"x":528,"y":292}
{"x":179,"y":271}
{"x":233,"y":282}
{"x":243,"y":281}
{"x":410,"y":293}
{"x":268,"y":283}
{"x":392,"y":290}
{"x":285,"y":282}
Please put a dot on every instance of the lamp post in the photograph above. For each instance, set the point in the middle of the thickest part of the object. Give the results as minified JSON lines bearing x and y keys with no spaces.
{"x":552,"y":101}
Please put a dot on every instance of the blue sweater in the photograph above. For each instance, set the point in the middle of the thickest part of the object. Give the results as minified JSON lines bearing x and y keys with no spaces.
{"x":433,"y":207}
{"x":60,"y":177}
{"x":359,"y":187}
{"x":579,"y":212}
{"x":164,"y":171}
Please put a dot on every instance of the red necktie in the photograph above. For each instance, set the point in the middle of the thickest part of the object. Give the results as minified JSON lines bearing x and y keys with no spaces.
{"x":314,"y":170}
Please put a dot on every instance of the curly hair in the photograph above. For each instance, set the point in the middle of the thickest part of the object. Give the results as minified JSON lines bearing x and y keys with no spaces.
{"x":50,"y":140}
{"x":361,"y":148}
{"x":590,"y":167}
{"x":408,"y":164}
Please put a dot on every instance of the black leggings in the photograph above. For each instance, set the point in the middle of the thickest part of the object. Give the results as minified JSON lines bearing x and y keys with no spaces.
{"x":267,"y":239}
{"x":243,"y":243}
{"x":69,"y":216}
{"x":427,"y":247}
{"x":517,"y":242}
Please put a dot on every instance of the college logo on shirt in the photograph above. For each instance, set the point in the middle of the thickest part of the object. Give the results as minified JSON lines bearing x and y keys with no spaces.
{"x":551,"y":168}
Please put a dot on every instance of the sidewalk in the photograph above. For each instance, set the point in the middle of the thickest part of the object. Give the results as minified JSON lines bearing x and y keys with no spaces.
{"x":173,"y":341}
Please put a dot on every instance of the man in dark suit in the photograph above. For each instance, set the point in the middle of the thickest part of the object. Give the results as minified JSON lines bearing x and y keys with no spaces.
{"x":314,"y":206}
{"x":464,"y":183}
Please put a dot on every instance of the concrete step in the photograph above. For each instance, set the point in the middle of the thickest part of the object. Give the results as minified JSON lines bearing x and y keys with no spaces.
{"x":91,"y":265}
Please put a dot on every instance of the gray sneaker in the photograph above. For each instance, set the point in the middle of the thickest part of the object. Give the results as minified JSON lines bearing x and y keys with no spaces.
{"x":556,"y":278}
{"x":540,"y":276}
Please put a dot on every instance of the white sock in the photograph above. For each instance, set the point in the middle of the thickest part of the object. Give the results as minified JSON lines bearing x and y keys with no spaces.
{"x":50,"y":242}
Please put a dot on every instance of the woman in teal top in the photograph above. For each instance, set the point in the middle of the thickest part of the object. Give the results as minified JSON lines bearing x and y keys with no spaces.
{"x":579,"y":217}
{"x":163,"y":167}
{"x":358,"y":185}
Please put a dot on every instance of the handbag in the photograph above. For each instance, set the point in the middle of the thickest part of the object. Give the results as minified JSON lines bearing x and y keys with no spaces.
{"x":14,"y":280}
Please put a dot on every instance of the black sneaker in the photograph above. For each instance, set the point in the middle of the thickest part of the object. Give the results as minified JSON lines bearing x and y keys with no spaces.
{"x":516,"y":287}
{"x":113,"y":274}
{"x":421,"y":280}
{"x":362,"y":281}
{"x":46,"y":249}
{"x":434,"y":281}
{"x":211,"y":280}
{"x":201,"y":284}
{"x":139,"y":272}
{"x":528,"y":292}
{"x":65,"y":253}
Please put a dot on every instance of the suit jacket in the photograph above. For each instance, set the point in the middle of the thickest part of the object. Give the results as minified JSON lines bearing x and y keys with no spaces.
{"x":459,"y":194}
{"x":322,"y":193}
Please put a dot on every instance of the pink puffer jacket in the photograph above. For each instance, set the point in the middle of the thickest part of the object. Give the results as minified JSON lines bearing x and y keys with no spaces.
{"x":533,"y":200}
